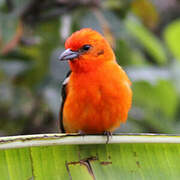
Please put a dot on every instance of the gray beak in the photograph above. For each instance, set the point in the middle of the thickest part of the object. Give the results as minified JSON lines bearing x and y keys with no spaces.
{"x":68,"y":55}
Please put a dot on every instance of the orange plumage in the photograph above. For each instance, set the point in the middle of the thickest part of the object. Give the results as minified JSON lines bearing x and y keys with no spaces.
{"x":98,"y":94}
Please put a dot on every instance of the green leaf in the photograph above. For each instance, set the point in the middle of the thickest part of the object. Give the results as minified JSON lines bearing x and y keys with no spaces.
{"x":60,"y":156}
{"x":8,"y":25}
{"x":149,"y":15}
{"x":126,"y":55}
{"x":157,"y":104}
{"x":172,"y":38}
{"x":146,"y":39}
{"x":17,"y":159}
{"x":40,"y":54}
{"x":155,"y":97}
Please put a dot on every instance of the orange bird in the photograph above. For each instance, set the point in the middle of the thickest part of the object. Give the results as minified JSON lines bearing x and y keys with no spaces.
{"x":96,"y":92}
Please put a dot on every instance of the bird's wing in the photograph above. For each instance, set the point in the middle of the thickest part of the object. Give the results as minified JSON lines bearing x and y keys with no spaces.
{"x":63,"y":94}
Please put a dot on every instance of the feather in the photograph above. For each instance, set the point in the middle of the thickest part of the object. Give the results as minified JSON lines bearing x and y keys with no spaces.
{"x":63,"y":94}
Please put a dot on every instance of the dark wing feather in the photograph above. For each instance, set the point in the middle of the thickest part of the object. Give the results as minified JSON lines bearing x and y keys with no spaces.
{"x":63,"y":94}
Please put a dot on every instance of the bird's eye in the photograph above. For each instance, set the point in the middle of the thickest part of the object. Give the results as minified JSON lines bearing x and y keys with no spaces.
{"x":86,"y":47}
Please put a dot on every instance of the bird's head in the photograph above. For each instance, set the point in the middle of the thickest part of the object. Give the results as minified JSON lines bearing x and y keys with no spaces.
{"x":86,"y":50}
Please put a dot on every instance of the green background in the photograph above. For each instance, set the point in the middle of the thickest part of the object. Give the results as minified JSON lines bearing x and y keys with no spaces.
{"x":145,"y":35}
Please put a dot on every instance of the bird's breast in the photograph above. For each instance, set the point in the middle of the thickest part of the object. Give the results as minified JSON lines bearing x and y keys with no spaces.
{"x":100,"y":100}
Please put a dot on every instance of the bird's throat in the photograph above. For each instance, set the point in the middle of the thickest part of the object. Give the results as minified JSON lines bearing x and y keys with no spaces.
{"x":85,"y":65}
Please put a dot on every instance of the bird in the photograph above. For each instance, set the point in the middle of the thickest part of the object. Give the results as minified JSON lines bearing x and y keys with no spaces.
{"x":96,"y":93}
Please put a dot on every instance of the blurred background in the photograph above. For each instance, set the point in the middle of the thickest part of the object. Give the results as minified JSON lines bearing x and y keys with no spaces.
{"x":145,"y":35}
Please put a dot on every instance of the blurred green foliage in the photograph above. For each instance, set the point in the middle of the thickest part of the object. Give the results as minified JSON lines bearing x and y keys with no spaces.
{"x":145,"y":35}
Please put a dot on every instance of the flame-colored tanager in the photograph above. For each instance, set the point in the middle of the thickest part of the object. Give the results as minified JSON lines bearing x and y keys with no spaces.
{"x":96,"y":93}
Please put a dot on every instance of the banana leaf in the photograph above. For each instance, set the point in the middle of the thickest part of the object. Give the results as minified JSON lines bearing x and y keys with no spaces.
{"x":73,"y":156}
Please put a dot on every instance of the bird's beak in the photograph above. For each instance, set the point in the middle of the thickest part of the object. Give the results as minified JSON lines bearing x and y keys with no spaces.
{"x":68,"y":54}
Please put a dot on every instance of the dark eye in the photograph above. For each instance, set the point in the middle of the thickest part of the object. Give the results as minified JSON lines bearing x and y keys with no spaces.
{"x":86,"y":47}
